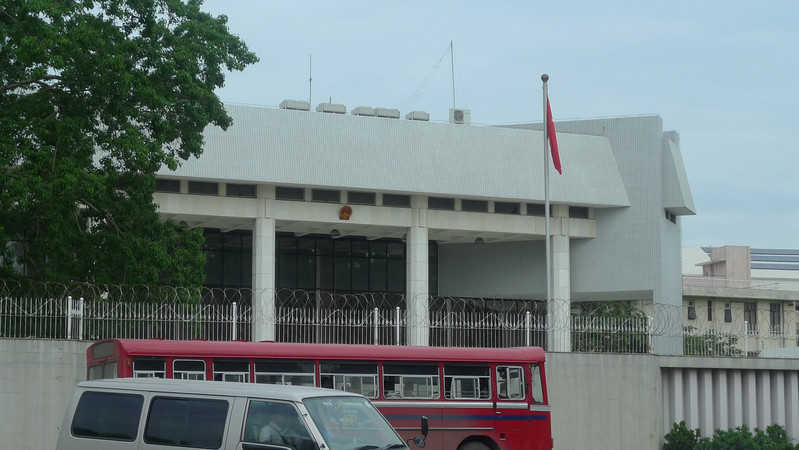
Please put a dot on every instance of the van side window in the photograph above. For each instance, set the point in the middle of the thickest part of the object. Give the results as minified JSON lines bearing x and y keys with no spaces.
{"x":186,"y":422}
{"x":104,"y":415}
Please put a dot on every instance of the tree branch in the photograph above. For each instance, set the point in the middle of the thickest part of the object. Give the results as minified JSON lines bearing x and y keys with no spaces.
{"x":40,"y":81}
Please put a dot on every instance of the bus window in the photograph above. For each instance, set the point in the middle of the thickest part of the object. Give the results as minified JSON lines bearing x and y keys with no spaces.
{"x":188,"y":369}
{"x":410,"y":381}
{"x":231,"y":370}
{"x":149,"y":368}
{"x":510,"y":383}
{"x":103,"y":350}
{"x":297,"y":373}
{"x":103,"y":370}
{"x":467,"y":382}
{"x":360,"y":378}
{"x":537,"y":388}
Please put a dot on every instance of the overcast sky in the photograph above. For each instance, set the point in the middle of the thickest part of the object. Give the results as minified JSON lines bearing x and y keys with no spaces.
{"x":724,"y":74}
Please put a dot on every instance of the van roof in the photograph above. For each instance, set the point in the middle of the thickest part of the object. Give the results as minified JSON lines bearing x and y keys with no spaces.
{"x":202,"y":387}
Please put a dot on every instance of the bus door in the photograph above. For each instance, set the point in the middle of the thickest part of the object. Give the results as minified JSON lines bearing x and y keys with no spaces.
{"x":512,"y":408}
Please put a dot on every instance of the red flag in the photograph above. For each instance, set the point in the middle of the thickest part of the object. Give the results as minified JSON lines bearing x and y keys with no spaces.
{"x":553,"y":140}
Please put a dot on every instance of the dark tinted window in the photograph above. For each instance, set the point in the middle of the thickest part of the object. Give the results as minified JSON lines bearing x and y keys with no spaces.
{"x":578,"y":212}
{"x":203,"y":187}
{"x":396,"y":200}
{"x":289,"y":193}
{"x":361,"y":198}
{"x":506,"y":208}
{"x":186,"y":422}
{"x":325,"y":195}
{"x":240,"y":190}
{"x":104,"y":415}
{"x":441,"y":203}
{"x":167,"y":185}
{"x":474,"y":205}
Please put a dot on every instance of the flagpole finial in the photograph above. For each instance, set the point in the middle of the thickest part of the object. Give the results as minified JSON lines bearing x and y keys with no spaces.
{"x":544,"y":78}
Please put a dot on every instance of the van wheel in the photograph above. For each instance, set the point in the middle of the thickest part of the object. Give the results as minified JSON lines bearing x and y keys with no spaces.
{"x":474,"y":446}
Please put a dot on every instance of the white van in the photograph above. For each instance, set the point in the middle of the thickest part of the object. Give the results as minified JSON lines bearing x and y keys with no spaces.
{"x":160,"y":414}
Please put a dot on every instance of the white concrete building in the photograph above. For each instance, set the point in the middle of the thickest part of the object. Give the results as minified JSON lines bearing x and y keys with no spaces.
{"x":334,"y":202}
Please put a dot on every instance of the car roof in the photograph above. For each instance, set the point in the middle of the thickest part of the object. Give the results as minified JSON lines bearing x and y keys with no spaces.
{"x":201,"y":387}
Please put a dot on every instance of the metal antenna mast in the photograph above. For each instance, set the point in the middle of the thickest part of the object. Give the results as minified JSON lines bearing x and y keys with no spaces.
{"x":452,"y":65}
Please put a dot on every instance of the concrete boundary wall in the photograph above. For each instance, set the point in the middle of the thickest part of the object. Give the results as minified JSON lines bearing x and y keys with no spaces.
{"x":598,"y":400}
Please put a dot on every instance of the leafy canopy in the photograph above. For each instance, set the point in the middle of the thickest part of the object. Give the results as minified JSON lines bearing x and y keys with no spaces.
{"x":96,"y":96}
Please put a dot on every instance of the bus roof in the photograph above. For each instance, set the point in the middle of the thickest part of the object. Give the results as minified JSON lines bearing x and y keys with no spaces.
{"x":341,"y":352}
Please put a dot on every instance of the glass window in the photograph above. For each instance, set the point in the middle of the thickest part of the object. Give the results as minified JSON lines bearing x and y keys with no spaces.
{"x":104,"y":415}
{"x":536,"y":386}
{"x":326,"y":195}
{"x":203,"y":188}
{"x":276,"y":423}
{"x":506,"y":208}
{"x":579,"y":212}
{"x":240,"y":190}
{"x":775,"y":312}
{"x":410,"y":381}
{"x":186,"y":422}
{"x":360,"y":378}
{"x":474,"y":205}
{"x":149,"y":368}
{"x":230,"y":370}
{"x":467,"y":382}
{"x":441,"y":203}
{"x":188,"y":369}
{"x":296,"y":373}
{"x":289,"y":193}
{"x":510,"y":383}
{"x":396,"y":200}
{"x":709,"y":310}
{"x":162,"y":185}
{"x":361,"y":198}
{"x":535,"y":209}
{"x":750,"y":316}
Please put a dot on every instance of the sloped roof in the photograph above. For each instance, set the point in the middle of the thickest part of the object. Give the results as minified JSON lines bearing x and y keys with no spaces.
{"x":340,"y":151}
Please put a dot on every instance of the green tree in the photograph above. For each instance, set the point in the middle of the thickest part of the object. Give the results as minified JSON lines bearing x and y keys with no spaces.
{"x":96,"y":96}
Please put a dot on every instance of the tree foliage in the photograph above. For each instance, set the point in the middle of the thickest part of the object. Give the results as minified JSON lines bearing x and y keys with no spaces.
{"x":740,"y":438}
{"x":96,"y":96}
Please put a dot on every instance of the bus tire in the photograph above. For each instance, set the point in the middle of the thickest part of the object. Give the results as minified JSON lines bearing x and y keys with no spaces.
{"x":474,"y":445}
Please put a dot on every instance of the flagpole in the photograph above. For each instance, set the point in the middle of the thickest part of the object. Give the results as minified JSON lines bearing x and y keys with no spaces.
{"x":550,"y":344}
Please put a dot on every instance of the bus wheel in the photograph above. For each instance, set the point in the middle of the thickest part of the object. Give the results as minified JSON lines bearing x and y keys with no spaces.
{"x":474,"y":445}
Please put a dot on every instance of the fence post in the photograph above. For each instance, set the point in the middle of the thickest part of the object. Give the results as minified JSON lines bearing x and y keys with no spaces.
{"x":69,"y":317}
{"x":527,"y":329}
{"x":651,"y":347}
{"x":746,"y":338}
{"x":80,"y":318}
{"x":397,"y":326}
{"x":376,"y":319}
{"x":235,"y":320}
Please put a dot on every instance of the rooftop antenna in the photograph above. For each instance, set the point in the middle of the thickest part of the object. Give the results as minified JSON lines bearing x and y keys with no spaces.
{"x":310,"y":77}
{"x":452,"y":65}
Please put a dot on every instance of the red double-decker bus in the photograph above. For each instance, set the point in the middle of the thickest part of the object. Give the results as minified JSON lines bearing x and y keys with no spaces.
{"x":474,"y":398}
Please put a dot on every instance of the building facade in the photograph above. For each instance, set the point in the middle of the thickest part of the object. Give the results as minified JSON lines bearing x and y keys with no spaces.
{"x":332,"y":202}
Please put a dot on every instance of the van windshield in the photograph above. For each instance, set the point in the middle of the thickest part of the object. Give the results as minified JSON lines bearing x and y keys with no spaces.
{"x":352,"y":423}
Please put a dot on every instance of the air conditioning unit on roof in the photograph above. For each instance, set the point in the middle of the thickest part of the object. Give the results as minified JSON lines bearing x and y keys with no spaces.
{"x":460,"y":116}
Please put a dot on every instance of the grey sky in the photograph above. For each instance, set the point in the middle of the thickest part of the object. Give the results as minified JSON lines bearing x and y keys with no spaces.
{"x":724,"y":74}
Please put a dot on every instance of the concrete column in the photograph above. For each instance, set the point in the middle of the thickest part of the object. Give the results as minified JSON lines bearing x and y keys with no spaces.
{"x":749,"y":402}
{"x":763,"y":384}
{"x":690,"y":398}
{"x":720,"y":397}
{"x":417,"y":273}
{"x":263,"y":263}
{"x":735,"y":394}
{"x":705,"y":399}
{"x":676,"y":408}
{"x":559,"y":308}
{"x":777,"y":398}
{"x":792,"y":407}
{"x":560,"y":304}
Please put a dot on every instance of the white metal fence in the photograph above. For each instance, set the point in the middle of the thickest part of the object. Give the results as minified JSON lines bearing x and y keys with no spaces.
{"x":76,"y":318}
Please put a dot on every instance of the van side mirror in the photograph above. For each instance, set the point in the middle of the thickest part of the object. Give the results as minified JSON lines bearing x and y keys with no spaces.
{"x":419,"y":441}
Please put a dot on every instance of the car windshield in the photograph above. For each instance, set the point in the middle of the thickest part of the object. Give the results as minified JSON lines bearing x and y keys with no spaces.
{"x":352,"y":423}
